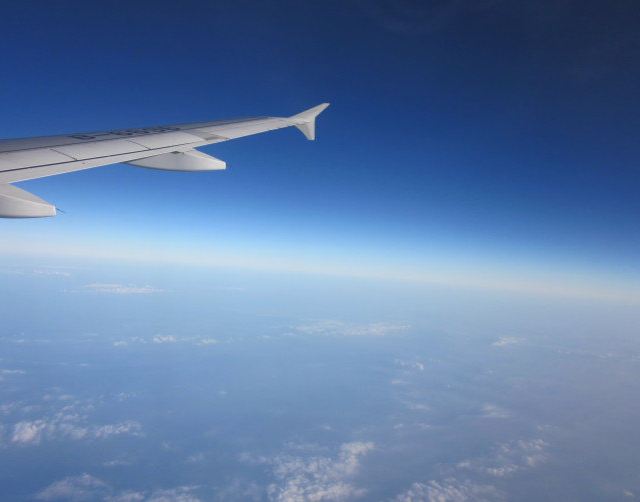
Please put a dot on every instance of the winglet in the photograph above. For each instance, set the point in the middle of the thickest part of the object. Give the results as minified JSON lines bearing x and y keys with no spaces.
{"x":306,"y":120}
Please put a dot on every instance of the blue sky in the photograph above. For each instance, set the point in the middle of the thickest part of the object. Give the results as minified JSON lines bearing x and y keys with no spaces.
{"x":494,"y":144}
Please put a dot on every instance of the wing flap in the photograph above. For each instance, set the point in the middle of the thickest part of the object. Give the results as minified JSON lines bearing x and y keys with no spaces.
{"x":166,"y":139}
{"x":30,"y":158}
{"x":95,"y":149}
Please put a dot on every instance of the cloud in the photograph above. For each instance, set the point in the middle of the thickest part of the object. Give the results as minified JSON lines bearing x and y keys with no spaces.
{"x":410,"y":365}
{"x":415,"y":406}
{"x":506,"y":340}
{"x":128,"y":496}
{"x":28,"y":432}
{"x":68,"y":425}
{"x":50,"y":272}
{"x":509,"y":458}
{"x":130,"y":428}
{"x":494,"y":411}
{"x":89,"y":488}
{"x":504,"y":460}
{"x":38,"y":272}
{"x":180,"y":494}
{"x":121,"y":289}
{"x":449,"y":490}
{"x":12,"y":372}
{"x":207,"y":341}
{"x":74,"y":489}
{"x":339,"y":328}
{"x":164,"y":339}
{"x":316,"y":478}
{"x":9,"y":372}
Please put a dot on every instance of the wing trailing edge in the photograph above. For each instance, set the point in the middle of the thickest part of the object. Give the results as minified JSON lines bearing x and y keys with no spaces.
{"x":18,"y":203}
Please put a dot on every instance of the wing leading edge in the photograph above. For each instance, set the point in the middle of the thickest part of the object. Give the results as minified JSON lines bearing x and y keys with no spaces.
{"x":165,"y":147}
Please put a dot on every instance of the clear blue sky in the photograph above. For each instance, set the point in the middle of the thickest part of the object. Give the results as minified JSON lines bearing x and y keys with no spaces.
{"x":484,"y":136}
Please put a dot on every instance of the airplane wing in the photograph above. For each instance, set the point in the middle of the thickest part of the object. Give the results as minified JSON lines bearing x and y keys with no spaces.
{"x":170,"y":148}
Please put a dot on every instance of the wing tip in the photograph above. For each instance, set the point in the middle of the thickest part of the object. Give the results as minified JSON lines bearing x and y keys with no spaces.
{"x":306,"y":121}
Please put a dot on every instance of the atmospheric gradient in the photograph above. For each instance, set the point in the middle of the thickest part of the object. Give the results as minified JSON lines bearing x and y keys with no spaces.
{"x":436,"y":300}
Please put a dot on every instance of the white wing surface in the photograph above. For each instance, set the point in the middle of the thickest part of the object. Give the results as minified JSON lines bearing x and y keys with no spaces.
{"x":164,"y":147}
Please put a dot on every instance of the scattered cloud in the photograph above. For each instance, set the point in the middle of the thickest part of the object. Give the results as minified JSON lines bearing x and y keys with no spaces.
{"x":207,"y":341}
{"x":414,"y":406}
{"x":410,"y":365}
{"x":118,"y":462}
{"x":504,"y":460}
{"x":74,"y":489}
{"x":339,"y":328}
{"x":509,"y":458}
{"x":89,"y":488}
{"x":9,"y":372}
{"x":121,"y":289}
{"x":196,"y":458}
{"x":164,"y":339}
{"x":38,"y":272}
{"x":72,"y":427}
{"x":180,"y":494}
{"x":449,"y":490}
{"x":494,"y":411}
{"x":130,"y":428}
{"x":506,"y":340}
{"x":316,"y":478}
{"x":28,"y":432}
{"x":51,"y":272}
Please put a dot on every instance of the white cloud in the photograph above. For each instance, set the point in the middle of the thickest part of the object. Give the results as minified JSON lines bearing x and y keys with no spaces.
{"x":339,"y":328}
{"x":164,"y":339}
{"x":413,"y":406}
{"x":130,"y":428}
{"x":41,"y":272}
{"x":505,"y":460}
{"x":180,"y":494}
{"x":506,"y":340}
{"x":11,"y":372}
{"x":196,"y":458}
{"x":494,"y":411}
{"x":207,"y":341}
{"x":51,"y":272}
{"x":316,"y":478}
{"x":121,"y":289}
{"x":27,"y":432}
{"x":509,"y":458}
{"x":69,"y":425}
{"x":449,"y":490}
{"x":74,"y":489}
{"x":89,"y":488}
{"x":128,"y":496}
{"x":410,"y":365}
{"x":118,"y":462}
{"x":7,"y":373}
